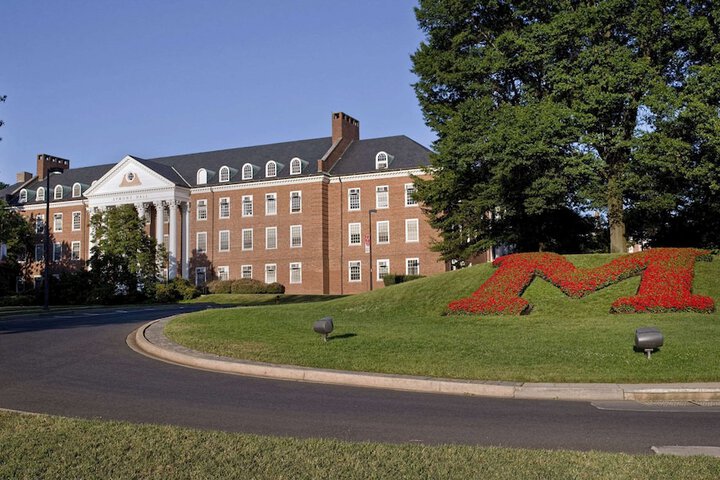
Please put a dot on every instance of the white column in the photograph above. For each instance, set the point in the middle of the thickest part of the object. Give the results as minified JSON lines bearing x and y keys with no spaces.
{"x":91,"y":231}
{"x":185,"y":213}
{"x":159,"y":222}
{"x":172,"y":244}
{"x":140,"y":207}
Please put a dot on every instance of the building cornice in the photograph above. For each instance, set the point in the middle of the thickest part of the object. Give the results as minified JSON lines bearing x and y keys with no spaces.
{"x":376,"y":175}
{"x":254,"y":185}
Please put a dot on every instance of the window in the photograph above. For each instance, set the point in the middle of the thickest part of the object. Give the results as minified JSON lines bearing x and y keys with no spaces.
{"x":57,"y":252}
{"x":411,"y":230}
{"x":75,"y":251}
{"x":270,"y":204}
{"x":201,"y":177}
{"x":40,"y":196}
{"x":39,"y":252}
{"x":295,"y":236}
{"x":59,"y":192}
{"x":247,"y":172}
{"x":270,"y":273}
{"x":409,"y":192}
{"x":39,"y":223}
{"x":247,"y":239}
{"x":224,"y":174}
{"x":246,"y":271}
{"x":200,"y":276}
{"x":166,"y":240}
{"x":412,"y":266}
{"x":77,"y":190}
{"x":202,"y":212}
{"x":383,"y":268}
{"x":223,"y":273}
{"x":57,"y":222}
{"x":225,"y":207}
{"x":247,"y":206}
{"x":382,"y":199}
{"x":296,"y":272}
{"x":354,"y":234}
{"x":201,"y":243}
{"x":381,"y":160}
{"x":22,"y":198}
{"x":383,"y":231}
{"x":270,"y":169}
{"x":295,"y":202}
{"x":295,"y":166}
{"x":354,"y":199}
{"x":224,"y":244}
{"x":270,"y":238}
{"x":76,"y":221}
{"x":354,"y":271}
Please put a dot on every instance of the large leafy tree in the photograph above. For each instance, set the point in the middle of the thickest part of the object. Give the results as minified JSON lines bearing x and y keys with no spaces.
{"x":16,"y":243}
{"x":546,"y":110}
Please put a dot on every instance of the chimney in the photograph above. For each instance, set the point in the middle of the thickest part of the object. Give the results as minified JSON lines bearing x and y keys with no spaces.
{"x":345,"y":130}
{"x":44,"y":162}
{"x":23,"y":177}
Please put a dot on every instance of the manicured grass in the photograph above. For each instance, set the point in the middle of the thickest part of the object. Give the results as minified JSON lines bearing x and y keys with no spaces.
{"x":60,"y":448}
{"x":248,"y":300}
{"x":403,"y":329}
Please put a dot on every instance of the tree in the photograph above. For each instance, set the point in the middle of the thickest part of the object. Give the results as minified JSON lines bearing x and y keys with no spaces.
{"x":16,"y":244}
{"x":544,"y":109}
{"x":124,"y":258}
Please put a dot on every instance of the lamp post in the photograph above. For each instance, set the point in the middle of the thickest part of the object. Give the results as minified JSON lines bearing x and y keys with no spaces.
{"x":370,"y":212}
{"x":46,"y":273}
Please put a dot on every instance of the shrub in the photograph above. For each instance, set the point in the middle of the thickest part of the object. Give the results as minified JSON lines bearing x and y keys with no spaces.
{"x":393,"y":278}
{"x":219,"y":286}
{"x":176,"y":289}
{"x":24,"y":300}
{"x":275,"y":288}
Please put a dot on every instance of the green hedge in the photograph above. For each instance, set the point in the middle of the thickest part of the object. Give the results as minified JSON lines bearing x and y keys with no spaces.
{"x":393,"y":278}
{"x":244,"y":285}
{"x":176,"y":289}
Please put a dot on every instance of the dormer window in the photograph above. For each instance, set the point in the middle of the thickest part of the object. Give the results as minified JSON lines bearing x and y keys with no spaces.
{"x":22,"y":198}
{"x":40,"y":196}
{"x":247,"y":172}
{"x":224,"y":174}
{"x":77,"y":190}
{"x":201,"y":177}
{"x":295,"y":166}
{"x":270,"y":169}
{"x":58,"y":192}
{"x":381,"y":160}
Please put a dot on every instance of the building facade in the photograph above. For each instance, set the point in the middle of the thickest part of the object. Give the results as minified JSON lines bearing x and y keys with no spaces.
{"x":327,"y":215}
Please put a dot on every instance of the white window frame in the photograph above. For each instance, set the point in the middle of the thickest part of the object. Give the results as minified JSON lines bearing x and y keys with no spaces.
{"x":357,"y":266}
{"x":380,"y":262}
{"x":380,"y":192}
{"x":407,"y":265}
{"x":22,"y":198}
{"x":386,"y":223}
{"x":57,"y":222}
{"x":268,"y":245}
{"x":226,"y":213}
{"x":223,"y":271}
{"x":382,"y":161}
{"x":408,"y":222}
{"x":351,"y":193}
{"x":247,"y":233}
{"x":268,"y":210}
{"x":220,"y":240}
{"x":296,"y":194}
{"x":224,"y":174}
{"x":198,"y":242}
{"x":201,"y":177}
{"x":75,"y":255}
{"x":40,"y":223}
{"x":272,"y":279}
{"x":57,"y":252}
{"x":295,"y":166}
{"x":58,"y":188}
{"x":357,"y":226}
{"x":76,"y":190}
{"x":409,"y":201}
{"x":40,"y":194}
{"x":247,"y":205}
{"x":297,"y":228}
{"x":246,"y":271}
{"x":247,"y":171}
{"x":204,"y":274}
{"x":271,"y":169}
{"x":76,"y":221}
{"x":202,"y":210}
{"x":296,"y":267}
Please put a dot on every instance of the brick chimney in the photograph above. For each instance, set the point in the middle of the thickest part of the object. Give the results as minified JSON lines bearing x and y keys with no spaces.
{"x":45,"y":162}
{"x":23,"y":177}
{"x":345,"y":130}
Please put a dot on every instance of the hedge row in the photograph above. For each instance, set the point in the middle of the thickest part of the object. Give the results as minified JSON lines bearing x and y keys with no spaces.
{"x":393,"y":278}
{"x":244,"y":285}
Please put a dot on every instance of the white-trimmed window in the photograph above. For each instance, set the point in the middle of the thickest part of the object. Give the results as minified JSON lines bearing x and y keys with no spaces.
{"x":382,"y":196}
{"x":409,"y":192}
{"x":354,"y":199}
{"x":224,"y":243}
{"x":247,"y":172}
{"x":58,"y":192}
{"x":225,"y":207}
{"x":270,"y":169}
{"x":354,"y":234}
{"x":383,"y":231}
{"x":270,"y":273}
{"x":296,"y":202}
{"x":77,"y":190}
{"x":224,"y":174}
{"x":247,"y":238}
{"x":295,"y":236}
{"x":57,"y":222}
{"x":201,"y":177}
{"x":412,"y":266}
{"x":22,"y":198}
{"x":246,"y":271}
{"x":200,"y":275}
{"x":76,"y":221}
{"x":412,"y":230}
{"x":383,"y":268}
{"x":355,"y":271}
{"x":381,"y":160}
{"x":39,"y":223}
{"x":40,"y":194}
{"x":296,"y":272}
{"x":57,"y":252}
{"x":202,"y":211}
{"x":247,"y":206}
{"x":271,"y":204}
{"x":223,"y":273}
{"x":295,"y":166}
{"x":75,"y":251}
{"x":166,"y":240}
{"x":270,"y":238}
{"x":39,"y":252}
{"x":201,"y":243}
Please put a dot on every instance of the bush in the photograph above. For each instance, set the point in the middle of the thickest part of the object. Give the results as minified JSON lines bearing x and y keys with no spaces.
{"x":393,"y":278}
{"x":219,"y":286}
{"x":24,"y":300}
{"x":176,"y":289}
{"x":275,"y":288}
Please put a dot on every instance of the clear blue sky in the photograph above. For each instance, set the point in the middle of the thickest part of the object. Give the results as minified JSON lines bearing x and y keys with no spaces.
{"x":95,"y":80}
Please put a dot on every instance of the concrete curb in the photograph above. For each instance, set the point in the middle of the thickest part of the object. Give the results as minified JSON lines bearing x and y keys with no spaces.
{"x":151,"y":341}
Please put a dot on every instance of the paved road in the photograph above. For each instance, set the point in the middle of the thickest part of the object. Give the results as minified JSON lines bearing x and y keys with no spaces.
{"x":79,"y":365}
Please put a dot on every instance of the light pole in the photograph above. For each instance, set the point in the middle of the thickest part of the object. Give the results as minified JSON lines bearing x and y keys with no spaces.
{"x":370,"y":212}
{"x":46,"y":273}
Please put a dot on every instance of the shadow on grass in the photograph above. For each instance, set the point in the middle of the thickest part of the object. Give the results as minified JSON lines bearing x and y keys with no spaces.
{"x":341,"y":337}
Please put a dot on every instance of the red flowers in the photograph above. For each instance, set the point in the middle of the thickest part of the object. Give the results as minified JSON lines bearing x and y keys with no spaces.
{"x":667,"y":275}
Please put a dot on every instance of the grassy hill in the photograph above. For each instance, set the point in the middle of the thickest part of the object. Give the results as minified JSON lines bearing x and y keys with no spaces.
{"x":404,"y":329}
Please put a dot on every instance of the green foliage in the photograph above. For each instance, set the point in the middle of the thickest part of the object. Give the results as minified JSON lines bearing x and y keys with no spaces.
{"x":18,"y":236}
{"x":174,"y":290}
{"x":219,"y":286}
{"x":545,"y":111}
{"x":395,"y":278}
{"x":244,"y":286}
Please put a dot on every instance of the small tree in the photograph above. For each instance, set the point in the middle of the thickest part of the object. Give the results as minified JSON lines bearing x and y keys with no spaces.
{"x":16,"y":235}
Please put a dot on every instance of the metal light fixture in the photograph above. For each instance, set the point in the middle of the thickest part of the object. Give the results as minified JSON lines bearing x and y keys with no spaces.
{"x":324,"y":327}
{"x":46,"y":272}
{"x":648,"y":339}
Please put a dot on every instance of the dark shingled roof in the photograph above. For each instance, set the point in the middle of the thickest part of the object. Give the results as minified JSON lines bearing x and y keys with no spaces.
{"x":67,"y":179}
{"x":166,"y":171}
{"x":7,"y":191}
{"x":360,"y":156}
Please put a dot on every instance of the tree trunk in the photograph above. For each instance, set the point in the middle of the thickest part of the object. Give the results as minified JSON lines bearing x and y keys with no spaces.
{"x":618,"y":243}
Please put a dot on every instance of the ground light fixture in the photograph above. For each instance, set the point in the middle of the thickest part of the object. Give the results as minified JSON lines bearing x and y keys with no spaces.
{"x":648,"y":339}
{"x":46,"y":272}
{"x":324,"y":327}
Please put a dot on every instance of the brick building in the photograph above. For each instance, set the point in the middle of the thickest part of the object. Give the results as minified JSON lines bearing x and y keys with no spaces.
{"x":326,"y":215}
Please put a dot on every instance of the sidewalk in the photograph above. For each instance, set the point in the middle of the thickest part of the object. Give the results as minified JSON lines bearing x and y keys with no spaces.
{"x":151,"y":341}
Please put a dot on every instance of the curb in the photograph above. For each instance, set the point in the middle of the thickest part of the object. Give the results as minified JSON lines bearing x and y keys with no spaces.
{"x":150,"y":340}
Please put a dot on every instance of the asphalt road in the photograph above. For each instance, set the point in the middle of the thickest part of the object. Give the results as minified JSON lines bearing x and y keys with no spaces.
{"x":78,"y":365}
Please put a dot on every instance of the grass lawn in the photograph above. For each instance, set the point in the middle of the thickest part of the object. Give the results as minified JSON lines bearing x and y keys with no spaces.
{"x":250,"y":300}
{"x":59,"y":448}
{"x":403,"y":329}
